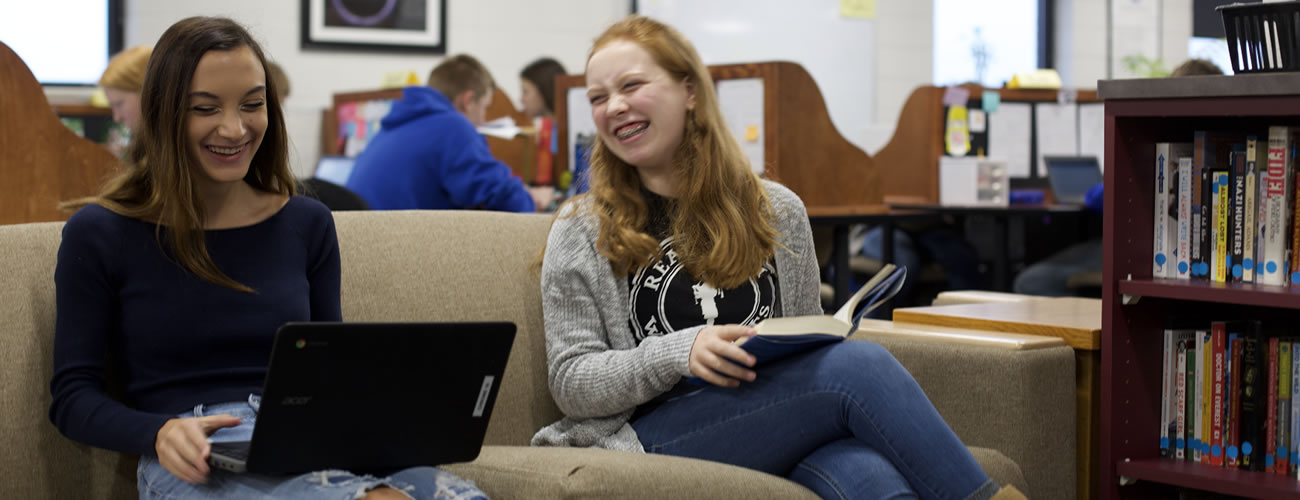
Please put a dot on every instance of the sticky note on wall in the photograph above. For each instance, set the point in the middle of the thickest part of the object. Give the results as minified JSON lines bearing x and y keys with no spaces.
{"x":860,"y":9}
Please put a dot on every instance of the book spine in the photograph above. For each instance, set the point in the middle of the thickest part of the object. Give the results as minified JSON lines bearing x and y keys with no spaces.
{"x":1284,"y":407}
{"x":1216,"y":395}
{"x":1252,"y":453}
{"x":1270,"y":409}
{"x":1237,"y":224}
{"x":1222,"y":255}
{"x":1205,"y":393}
{"x":1234,"y":392}
{"x":1276,"y":187}
{"x":1261,"y":217}
{"x":1198,"y":208}
{"x":1160,"y":266}
{"x":1184,"y":218}
{"x":1252,"y":176}
{"x":1293,"y":269}
{"x":1180,"y":394}
{"x":1192,"y":408}
{"x":1207,"y":224}
{"x":1295,"y":412}
{"x":1166,"y":394}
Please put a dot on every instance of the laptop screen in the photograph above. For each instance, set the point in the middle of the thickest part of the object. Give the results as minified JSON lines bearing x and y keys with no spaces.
{"x":334,"y":169}
{"x":1072,"y":176}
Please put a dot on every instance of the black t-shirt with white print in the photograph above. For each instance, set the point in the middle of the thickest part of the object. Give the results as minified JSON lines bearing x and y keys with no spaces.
{"x":665,"y":297}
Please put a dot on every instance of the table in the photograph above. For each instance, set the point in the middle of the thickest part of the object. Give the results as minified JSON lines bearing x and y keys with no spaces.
{"x":1075,"y":320}
{"x":1001,"y":216}
{"x":840,"y":224}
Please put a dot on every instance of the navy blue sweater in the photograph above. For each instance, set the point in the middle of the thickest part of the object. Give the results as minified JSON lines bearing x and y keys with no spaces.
{"x":429,"y":156}
{"x":177,"y":339}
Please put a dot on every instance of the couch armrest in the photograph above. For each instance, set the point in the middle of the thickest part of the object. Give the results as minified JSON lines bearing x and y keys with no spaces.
{"x":1008,"y":393}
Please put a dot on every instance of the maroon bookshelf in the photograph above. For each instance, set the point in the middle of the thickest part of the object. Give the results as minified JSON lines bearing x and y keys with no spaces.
{"x":1216,"y":479}
{"x":1138,"y":114}
{"x":1248,"y":294}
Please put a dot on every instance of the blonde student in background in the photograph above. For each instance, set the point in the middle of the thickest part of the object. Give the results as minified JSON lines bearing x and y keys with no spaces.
{"x":205,"y":215}
{"x":674,"y":205}
{"x":122,"y":81}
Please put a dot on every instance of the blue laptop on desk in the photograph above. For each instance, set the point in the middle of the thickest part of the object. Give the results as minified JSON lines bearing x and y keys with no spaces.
{"x":1071,"y":177}
{"x":334,"y":169}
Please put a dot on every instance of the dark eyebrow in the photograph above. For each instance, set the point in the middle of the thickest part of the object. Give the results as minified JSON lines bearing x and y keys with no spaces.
{"x":254,"y":90}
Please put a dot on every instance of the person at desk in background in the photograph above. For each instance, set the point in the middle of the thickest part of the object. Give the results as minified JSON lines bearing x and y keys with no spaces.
{"x":429,"y":155}
{"x":537,"y":94}
{"x":1051,"y":276}
{"x":916,"y":244}
{"x":122,"y":81}
{"x":206,"y":215}
{"x":675,"y":217}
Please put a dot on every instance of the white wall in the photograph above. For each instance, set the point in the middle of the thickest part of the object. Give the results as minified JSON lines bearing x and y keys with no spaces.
{"x":504,"y":34}
{"x":904,"y":61}
{"x":1082,"y":50}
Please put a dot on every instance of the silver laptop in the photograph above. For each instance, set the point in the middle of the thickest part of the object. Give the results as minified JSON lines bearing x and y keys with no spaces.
{"x":1071,"y":177}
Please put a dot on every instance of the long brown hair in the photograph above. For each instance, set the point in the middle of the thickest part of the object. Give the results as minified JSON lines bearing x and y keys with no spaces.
{"x":158,"y":185}
{"x":721,"y":217}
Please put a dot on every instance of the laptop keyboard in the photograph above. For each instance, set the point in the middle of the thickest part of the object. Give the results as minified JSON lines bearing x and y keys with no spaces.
{"x":236,"y":450}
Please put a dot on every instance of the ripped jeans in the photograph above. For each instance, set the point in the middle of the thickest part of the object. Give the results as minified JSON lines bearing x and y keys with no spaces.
{"x":155,"y":482}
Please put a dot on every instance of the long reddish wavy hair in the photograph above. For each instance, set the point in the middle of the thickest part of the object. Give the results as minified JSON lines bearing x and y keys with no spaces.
{"x":721,"y":217}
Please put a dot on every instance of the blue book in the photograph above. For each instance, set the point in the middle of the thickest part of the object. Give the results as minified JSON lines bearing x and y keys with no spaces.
{"x":781,"y":337}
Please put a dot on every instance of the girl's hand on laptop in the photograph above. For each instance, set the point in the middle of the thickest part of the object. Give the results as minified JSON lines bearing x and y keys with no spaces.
{"x":183,"y":448}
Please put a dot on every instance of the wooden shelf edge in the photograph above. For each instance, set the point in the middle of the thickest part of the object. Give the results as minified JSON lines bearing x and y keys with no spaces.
{"x":1214,"y":479}
{"x":1231,"y":293}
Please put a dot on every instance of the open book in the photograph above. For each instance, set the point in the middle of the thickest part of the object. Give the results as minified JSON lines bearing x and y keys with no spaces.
{"x":781,"y":337}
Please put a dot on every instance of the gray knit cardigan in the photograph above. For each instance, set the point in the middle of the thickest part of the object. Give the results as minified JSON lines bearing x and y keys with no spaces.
{"x":598,"y":374}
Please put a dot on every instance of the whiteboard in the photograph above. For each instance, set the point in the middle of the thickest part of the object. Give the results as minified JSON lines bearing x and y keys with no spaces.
{"x":838,"y":51}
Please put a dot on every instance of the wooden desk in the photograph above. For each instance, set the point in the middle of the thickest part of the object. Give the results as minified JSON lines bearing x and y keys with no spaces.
{"x":1075,"y":320}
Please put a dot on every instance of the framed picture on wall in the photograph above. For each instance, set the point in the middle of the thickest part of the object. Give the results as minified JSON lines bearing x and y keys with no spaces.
{"x":378,"y":25}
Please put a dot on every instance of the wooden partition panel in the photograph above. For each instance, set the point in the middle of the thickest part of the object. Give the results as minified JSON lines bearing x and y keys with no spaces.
{"x":518,"y":153}
{"x":41,"y":161}
{"x":910,"y":161}
{"x":802,"y":149}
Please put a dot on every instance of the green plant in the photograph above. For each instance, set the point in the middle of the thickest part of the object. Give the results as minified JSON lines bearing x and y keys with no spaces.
{"x":1141,"y":66}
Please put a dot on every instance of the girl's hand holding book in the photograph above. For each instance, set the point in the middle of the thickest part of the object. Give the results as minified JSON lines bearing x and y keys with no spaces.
{"x":716,"y":359}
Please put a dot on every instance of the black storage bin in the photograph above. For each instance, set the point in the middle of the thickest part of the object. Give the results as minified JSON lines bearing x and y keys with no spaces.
{"x":1262,"y":37}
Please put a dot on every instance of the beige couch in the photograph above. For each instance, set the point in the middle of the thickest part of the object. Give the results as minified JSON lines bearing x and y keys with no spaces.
{"x":1013,"y":406}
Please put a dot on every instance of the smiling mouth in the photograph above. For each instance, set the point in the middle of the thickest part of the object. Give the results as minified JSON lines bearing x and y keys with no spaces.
{"x":630,"y":130}
{"x":230,"y":151}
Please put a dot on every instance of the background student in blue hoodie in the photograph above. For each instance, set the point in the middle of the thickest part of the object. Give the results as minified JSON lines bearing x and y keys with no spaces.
{"x":429,"y":155}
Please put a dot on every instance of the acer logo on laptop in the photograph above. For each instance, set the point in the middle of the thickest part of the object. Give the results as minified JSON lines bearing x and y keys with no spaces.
{"x":295,"y":401}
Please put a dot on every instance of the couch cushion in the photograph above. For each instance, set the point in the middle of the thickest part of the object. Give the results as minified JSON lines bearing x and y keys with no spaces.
{"x":545,"y":473}
{"x":457,"y":266}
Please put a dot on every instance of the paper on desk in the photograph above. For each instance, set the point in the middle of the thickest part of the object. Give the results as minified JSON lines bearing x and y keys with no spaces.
{"x":1009,"y":137}
{"x":503,"y":127}
{"x":1057,"y":128}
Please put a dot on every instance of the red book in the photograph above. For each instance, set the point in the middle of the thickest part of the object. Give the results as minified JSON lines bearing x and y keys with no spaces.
{"x":1270,"y":418}
{"x":1216,"y":410}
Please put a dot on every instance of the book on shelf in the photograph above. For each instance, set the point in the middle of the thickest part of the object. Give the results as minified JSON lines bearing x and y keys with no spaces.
{"x":1234,"y":403}
{"x":1166,"y":213}
{"x":1250,"y":210}
{"x":1236,"y":216}
{"x":780,"y":337}
{"x":1270,"y":411}
{"x":1219,"y":189}
{"x":1283,"y":452}
{"x":1185,"y":226}
{"x":1217,"y":333}
{"x":1250,"y":423}
{"x":1278,"y":200}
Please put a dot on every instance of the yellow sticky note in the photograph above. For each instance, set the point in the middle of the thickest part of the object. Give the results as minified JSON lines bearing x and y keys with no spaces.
{"x":861,"y":9}
{"x":751,"y":133}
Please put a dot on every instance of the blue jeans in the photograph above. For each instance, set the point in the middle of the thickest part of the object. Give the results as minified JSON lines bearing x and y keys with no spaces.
{"x":954,"y":254}
{"x":1051,"y":276}
{"x":845,"y":421}
{"x":155,"y":482}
